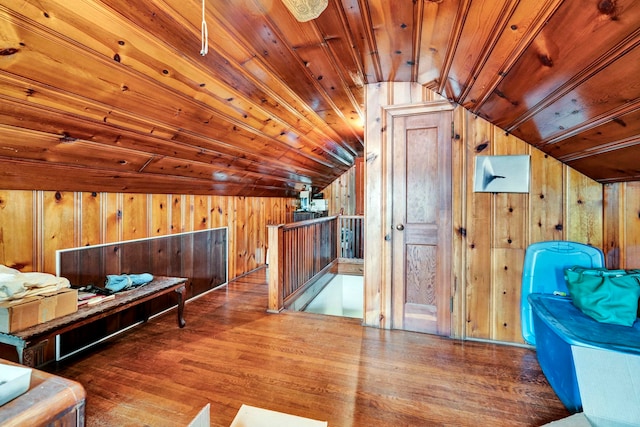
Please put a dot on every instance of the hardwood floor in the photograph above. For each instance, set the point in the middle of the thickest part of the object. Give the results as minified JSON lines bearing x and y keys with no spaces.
{"x":327,"y":368}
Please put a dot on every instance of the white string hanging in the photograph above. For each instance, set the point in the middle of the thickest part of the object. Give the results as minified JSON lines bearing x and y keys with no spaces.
{"x":204,"y":33}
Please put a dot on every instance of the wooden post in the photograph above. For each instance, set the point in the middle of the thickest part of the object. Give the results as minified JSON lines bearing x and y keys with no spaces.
{"x":339,"y":236}
{"x":276,"y":271}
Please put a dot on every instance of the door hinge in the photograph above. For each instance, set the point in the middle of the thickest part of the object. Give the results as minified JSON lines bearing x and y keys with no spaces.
{"x":451,"y":304}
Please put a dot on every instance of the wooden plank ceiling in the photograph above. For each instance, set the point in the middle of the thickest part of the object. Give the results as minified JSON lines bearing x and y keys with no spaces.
{"x":114,"y":95}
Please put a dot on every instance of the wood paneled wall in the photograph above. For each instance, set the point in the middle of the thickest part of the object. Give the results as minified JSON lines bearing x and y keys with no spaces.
{"x":34,"y":224}
{"x":491,"y":231}
{"x":622,"y":226}
{"x":346,"y":194}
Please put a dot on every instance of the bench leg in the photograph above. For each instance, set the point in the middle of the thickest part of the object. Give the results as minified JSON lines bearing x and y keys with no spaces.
{"x":32,"y":356}
{"x":182,"y":293}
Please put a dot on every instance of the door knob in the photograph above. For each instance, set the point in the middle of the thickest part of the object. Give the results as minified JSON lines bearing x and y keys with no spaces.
{"x":400,"y":227}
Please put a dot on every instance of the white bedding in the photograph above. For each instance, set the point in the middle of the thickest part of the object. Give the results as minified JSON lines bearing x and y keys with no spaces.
{"x":15,"y":284}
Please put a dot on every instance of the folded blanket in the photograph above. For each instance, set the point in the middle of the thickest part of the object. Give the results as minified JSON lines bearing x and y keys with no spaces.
{"x":16,"y":285}
{"x":11,"y":287}
{"x":8,"y":270}
{"x":122,"y":282}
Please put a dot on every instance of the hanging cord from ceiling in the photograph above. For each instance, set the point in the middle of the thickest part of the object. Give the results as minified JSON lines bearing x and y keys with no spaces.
{"x":204,"y":33}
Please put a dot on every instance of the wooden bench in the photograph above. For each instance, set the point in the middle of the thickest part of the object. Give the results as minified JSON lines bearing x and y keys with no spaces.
{"x":30,"y":342}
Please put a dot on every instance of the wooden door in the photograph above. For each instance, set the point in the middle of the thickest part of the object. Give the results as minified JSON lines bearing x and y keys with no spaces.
{"x":421,"y":222}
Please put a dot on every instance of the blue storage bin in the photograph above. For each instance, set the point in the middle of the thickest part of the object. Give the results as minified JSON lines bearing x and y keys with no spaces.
{"x":543,"y":273}
{"x":559,"y":325}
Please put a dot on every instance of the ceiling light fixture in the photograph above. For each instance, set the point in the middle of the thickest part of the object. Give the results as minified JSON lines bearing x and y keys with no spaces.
{"x":306,"y":10}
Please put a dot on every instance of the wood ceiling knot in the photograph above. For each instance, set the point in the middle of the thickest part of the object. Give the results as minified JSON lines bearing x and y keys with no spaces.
{"x":9,"y":51}
{"x":607,"y":7}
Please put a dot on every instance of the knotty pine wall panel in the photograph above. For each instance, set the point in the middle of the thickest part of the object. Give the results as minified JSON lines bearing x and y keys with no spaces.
{"x":510,"y":209}
{"x":475,"y":285}
{"x":614,"y":229}
{"x":622,"y":225}
{"x":273,"y":211}
{"x":17,"y":238}
{"x":341,"y":194}
{"x":459,"y":254}
{"x":176,"y":213}
{"x":546,"y":207}
{"x":377,"y":296}
{"x":242,"y":237}
{"x":259,"y":211}
{"x":201,"y":212}
{"x":584,"y":200}
{"x":491,"y":231}
{"x":229,"y":208}
{"x":631,"y":217}
{"x":59,"y":225}
{"x":92,"y":221}
{"x":263,"y":240}
{"x":234,"y":245}
{"x":506,"y":274}
{"x":345,"y":195}
{"x":510,"y":226}
{"x":359,"y":190}
{"x":135,"y":217}
{"x":34,"y":224}
{"x":160,"y":214}
{"x":113,"y":212}
{"x":219,"y":212}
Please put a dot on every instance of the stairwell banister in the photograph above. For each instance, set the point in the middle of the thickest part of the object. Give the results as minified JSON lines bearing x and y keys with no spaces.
{"x":298,"y":252}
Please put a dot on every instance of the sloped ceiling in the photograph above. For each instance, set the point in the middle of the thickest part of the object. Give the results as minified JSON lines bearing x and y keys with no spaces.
{"x":116,"y":96}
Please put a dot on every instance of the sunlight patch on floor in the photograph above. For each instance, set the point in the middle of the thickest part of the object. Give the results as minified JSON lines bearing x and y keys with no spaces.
{"x":343,"y":296}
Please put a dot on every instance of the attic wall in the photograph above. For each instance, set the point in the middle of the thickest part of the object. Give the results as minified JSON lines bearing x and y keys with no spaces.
{"x":491,"y":231}
{"x":340,"y":194}
{"x":622,"y":225}
{"x":345,"y":195}
{"x":34,"y":224}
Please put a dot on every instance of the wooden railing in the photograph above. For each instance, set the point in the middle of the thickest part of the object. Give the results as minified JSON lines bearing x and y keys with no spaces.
{"x":351,"y":244}
{"x":298,"y":252}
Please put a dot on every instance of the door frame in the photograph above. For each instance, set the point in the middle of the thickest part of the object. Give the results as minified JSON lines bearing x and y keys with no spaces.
{"x":389,"y":113}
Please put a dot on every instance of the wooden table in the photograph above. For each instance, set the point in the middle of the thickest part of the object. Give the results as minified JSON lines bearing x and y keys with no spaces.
{"x":28,"y":342}
{"x":50,"y":400}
